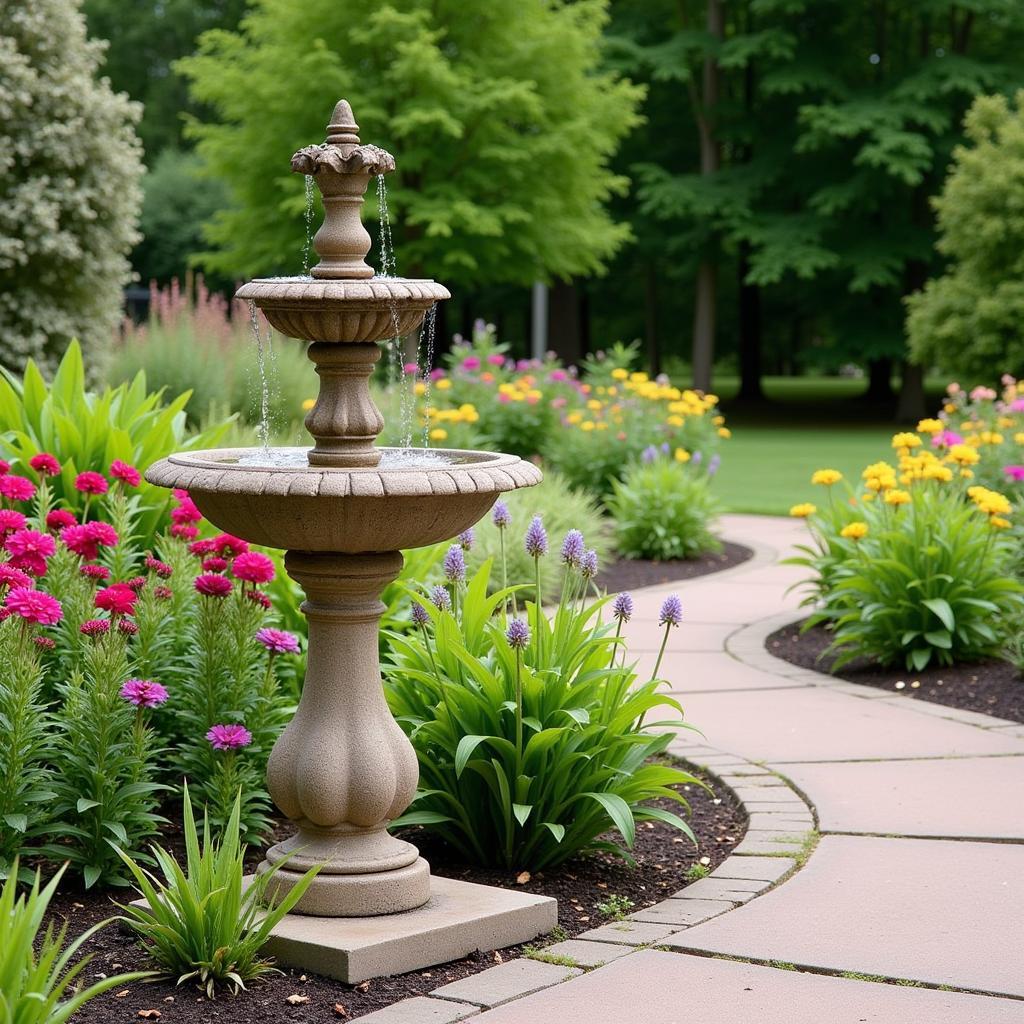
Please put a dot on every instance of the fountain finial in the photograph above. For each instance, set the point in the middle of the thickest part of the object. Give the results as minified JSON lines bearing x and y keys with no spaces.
{"x":343,"y":127}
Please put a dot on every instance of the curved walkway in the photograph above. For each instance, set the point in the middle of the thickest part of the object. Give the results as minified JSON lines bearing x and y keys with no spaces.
{"x":917,"y":878}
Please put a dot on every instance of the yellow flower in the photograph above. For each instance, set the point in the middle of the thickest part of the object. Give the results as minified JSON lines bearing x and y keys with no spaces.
{"x":949,"y":407}
{"x":419,"y":388}
{"x":574,"y":417}
{"x":601,"y":425}
{"x":803,"y":511}
{"x":828,"y":477}
{"x":638,"y":377}
{"x":867,"y":496}
{"x":936,"y":471}
{"x":990,"y":502}
{"x":964,"y":455}
{"x":906,"y":440}
{"x":682,"y":455}
{"x":930,"y":427}
{"x":897,"y":497}
{"x":854,"y":531}
{"x":594,"y":404}
{"x":674,"y":421}
{"x":308,"y":404}
{"x":443,"y":384}
{"x":438,"y":434}
{"x":587,"y":425}
{"x":620,"y":374}
{"x":999,"y":523}
{"x":1019,"y":438}
{"x":724,"y":432}
{"x":967,"y":474}
{"x":1005,"y":422}
{"x":718,"y":421}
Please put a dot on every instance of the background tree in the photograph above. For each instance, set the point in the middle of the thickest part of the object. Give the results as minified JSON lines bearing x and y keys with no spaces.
{"x":970,"y":320}
{"x":69,"y":195}
{"x":503,"y":124}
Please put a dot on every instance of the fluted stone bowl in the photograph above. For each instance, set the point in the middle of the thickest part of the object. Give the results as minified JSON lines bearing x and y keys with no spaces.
{"x":343,"y":311}
{"x":352,"y":510}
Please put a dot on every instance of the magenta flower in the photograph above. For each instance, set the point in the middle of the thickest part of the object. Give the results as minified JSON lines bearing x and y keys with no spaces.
{"x":212,"y":585}
{"x":409,"y":368}
{"x":496,"y":359}
{"x":45,"y":464}
{"x":94,"y":627}
{"x":201,"y":547}
{"x":229,"y":546}
{"x":86,"y":540}
{"x":229,"y":737}
{"x":143,"y":693}
{"x":29,"y":550}
{"x":10,"y":520}
{"x":253,"y":567}
{"x":126,"y":474}
{"x":186,"y":512}
{"x":5,"y":467}
{"x":90,"y":482}
{"x":17,"y":488}
{"x":34,"y":606}
{"x":118,"y":599}
{"x":44,"y":642}
{"x":946,"y":439}
{"x":183,"y":531}
{"x":127,"y":627}
{"x":95,"y":572}
{"x":1015,"y":473}
{"x":13,"y":578}
{"x":277,"y":641}
{"x":257,"y":597}
{"x":162,"y":569}
{"x":58,"y":518}
{"x":163,"y":593}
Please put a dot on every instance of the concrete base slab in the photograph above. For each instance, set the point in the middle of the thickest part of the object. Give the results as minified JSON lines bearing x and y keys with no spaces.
{"x":459,"y":918}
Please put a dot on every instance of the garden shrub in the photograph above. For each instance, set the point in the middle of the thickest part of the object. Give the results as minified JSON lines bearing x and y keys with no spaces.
{"x":917,"y":568}
{"x":663,"y":509}
{"x":560,"y":507}
{"x":530,"y":732}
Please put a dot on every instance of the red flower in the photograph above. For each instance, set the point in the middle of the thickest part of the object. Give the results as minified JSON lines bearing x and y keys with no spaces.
{"x":184,"y":532}
{"x":163,"y":593}
{"x":253,"y":567}
{"x":229,"y":546}
{"x":259,"y":597}
{"x":29,"y":550}
{"x":5,"y":467}
{"x":136,"y":583}
{"x":90,"y":482}
{"x":95,"y":572}
{"x":213,"y":585}
{"x":201,"y":547}
{"x":34,"y":606}
{"x":11,"y":521}
{"x":44,"y":642}
{"x":17,"y":488}
{"x":118,"y":600}
{"x":215,"y":564}
{"x":94,"y":627}
{"x":186,"y":512}
{"x":58,"y":518}
{"x":45,"y":464}
{"x":14,"y":578}
{"x":126,"y":474}
{"x":128,"y":627}
{"x":162,"y":569}
{"x":178,"y":493}
{"x":86,"y":540}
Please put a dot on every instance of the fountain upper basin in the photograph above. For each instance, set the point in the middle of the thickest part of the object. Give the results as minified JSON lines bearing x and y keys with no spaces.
{"x":343,"y":310}
{"x":350,"y":510}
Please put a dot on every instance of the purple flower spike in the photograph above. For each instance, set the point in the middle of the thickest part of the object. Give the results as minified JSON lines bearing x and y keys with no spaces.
{"x":536,"y":538}
{"x":440,"y":598}
{"x":622,"y":606}
{"x":649,"y":454}
{"x":517,"y":634}
{"x":500,"y":516}
{"x":419,"y":613}
{"x":466,"y":539}
{"x":588,"y":564}
{"x":229,"y":737}
{"x":713,"y":463}
{"x":454,"y":564}
{"x":696,"y":459}
{"x":671,"y":611}
{"x":573,"y":548}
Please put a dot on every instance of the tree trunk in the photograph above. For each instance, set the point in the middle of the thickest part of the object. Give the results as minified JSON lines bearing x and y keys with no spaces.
{"x":651,"y":320}
{"x":911,"y":407}
{"x":564,"y":336}
{"x":879,"y":380}
{"x":750,"y":331}
{"x":704,"y":325}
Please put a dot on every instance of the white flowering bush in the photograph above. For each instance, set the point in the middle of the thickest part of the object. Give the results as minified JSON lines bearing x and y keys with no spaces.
{"x":70,"y":165}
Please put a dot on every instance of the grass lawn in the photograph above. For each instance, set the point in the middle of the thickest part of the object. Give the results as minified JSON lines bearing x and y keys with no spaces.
{"x":807,"y":424}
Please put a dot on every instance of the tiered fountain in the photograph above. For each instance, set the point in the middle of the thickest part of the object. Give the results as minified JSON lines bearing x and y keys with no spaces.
{"x":343,"y":769}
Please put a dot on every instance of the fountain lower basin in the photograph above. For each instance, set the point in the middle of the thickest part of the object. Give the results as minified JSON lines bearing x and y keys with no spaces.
{"x":401,"y":503}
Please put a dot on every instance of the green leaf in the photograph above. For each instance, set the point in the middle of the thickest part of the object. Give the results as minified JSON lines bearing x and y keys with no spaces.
{"x":620,"y":813}
{"x":941,"y":607}
{"x":85,"y":804}
{"x":465,"y":750}
{"x":522,"y":812}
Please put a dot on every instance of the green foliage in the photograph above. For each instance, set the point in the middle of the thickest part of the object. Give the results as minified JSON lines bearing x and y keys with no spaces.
{"x":663,"y":509}
{"x":503,"y":120}
{"x":528,"y":756}
{"x":88,"y":430}
{"x":562,"y":508}
{"x":69,"y":184}
{"x":616,"y":907}
{"x":201,"y":923}
{"x":968,"y":320}
{"x":40,"y":976}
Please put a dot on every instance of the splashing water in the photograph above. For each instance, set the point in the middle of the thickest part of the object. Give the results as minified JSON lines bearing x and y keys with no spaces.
{"x":388,"y":267}
{"x":263,"y":430}
{"x":309,"y":225}
{"x":427,"y":333}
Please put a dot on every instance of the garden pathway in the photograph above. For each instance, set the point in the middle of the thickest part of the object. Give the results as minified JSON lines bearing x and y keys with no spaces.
{"x":917,"y":877}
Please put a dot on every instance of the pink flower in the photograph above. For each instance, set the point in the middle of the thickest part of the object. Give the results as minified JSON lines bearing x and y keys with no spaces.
{"x":126,"y":474}
{"x":229,"y":546}
{"x":163,"y":593}
{"x":5,"y":467}
{"x":186,"y":512}
{"x":1017,"y":405}
{"x":136,"y":583}
{"x":86,"y":540}
{"x":90,"y":482}
{"x":471,"y":363}
{"x":95,"y":572}
{"x":34,"y":606}
{"x":118,"y":599}
{"x":29,"y":550}
{"x":946,"y":439}
{"x":13,"y":578}
{"x":503,"y":398}
{"x":45,"y":464}
{"x":17,"y":488}
{"x":94,"y":627}
{"x":201,"y":547}
{"x":127,"y":627}
{"x":409,"y":368}
{"x":229,"y":737}
{"x":214,"y":564}
{"x":44,"y":642}
{"x":184,"y":532}
{"x":258,"y":597}
{"x":162,"y":569}
{"x":277,"y":641}
{"x":10,"y":520}
{"x":1015,"y":473}
{"x":179,"y":493}
{"x":58,"y":518}
{"x":253,"y":567}
{"x":143,"y":693}
{"x":212,"y":585}
{"x":496,"y":359}
{"x":437,"y":374}
{"x":558,"y":375}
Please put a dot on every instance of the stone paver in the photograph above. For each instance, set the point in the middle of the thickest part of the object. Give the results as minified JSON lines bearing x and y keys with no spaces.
{"x":633,"y":933}
{"x":760,"y":869}
{"x":941,"y":912}
{"x":817,"y":724}
{"x":646,"y":636}
{"x":421,"y":1010}
{"x":587,"y":954}
{"x":652,"y":987}
{"x":507,"y":981}
{"x":700,"y":672}
{"x":962,"y":797}
{"x":682,"y":912}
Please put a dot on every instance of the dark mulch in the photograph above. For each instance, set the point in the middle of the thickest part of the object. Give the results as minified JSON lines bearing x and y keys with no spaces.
{"x":664,"y":857}
{"x":633,"y":573}
{"x":991,"y":687}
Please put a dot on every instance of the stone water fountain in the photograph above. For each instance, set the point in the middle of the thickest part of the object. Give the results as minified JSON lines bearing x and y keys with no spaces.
{"x":343,"y":769}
